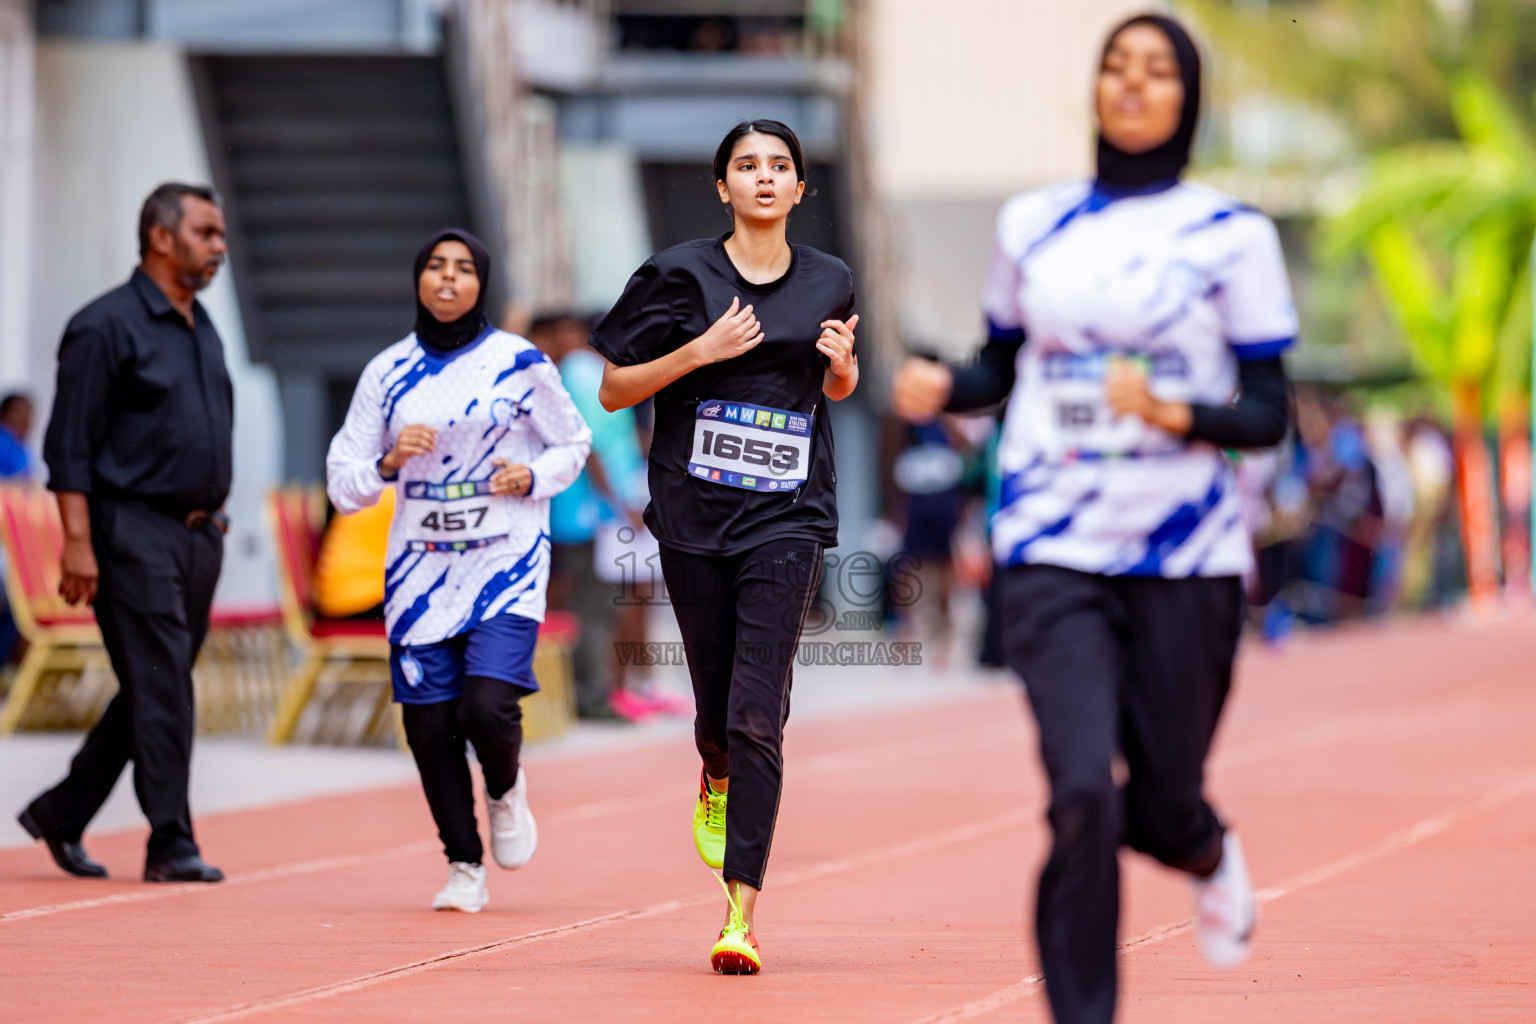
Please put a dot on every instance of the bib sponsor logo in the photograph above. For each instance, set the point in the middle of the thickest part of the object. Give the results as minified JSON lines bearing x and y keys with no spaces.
{"x":764,"y":417}
{"x":713,"y":412}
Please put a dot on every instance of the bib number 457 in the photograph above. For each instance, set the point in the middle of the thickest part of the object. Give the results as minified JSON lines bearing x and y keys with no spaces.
{"x":754,"y":452}
{"x":455,"y":520}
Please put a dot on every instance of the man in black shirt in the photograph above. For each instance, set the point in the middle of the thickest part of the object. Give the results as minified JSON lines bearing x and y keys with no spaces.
{"x":139,"y":449}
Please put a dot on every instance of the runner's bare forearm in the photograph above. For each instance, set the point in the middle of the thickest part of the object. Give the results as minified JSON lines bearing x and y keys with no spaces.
{"x":838,"y":388}
{"x":624,"y":386}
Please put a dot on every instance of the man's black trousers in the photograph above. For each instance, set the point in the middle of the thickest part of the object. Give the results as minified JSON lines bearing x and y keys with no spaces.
{"x":1117,"y":665}
{"x":152,"y":603}
{"x":740,"y":617}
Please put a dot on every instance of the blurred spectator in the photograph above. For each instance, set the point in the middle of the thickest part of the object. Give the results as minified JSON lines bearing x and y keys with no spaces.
{"x":349,"y":570}
{"x":601,"y":544}
{"x":768,"y":37}
{"x":1279,"y":526}
{"x":15,"y":429}
{"x":1394,"y":480}
{"x":16,"y":466}
{"x":1432,"y":470}
{"x":1347,"y":503}
{"x":928,"y":474}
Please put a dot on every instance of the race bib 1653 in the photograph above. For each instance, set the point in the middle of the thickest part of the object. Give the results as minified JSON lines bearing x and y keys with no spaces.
{"x":750,"y":446}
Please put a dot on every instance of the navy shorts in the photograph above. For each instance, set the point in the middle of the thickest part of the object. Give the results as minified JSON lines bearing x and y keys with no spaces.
{"x":500,"y":648}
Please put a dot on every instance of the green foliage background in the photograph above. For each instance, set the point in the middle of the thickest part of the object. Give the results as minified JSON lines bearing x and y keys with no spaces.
{"x":1437,"y":97}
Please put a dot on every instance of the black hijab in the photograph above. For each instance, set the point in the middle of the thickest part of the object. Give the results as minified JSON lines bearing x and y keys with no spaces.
{"x":434,"y":333}
{"x":1166,"y":162}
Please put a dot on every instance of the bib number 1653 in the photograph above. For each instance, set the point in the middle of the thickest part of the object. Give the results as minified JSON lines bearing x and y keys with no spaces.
{"x":782,"y":458}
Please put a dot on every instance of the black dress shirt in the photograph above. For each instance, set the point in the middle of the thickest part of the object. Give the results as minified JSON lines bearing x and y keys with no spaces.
{"x":144,"y":408}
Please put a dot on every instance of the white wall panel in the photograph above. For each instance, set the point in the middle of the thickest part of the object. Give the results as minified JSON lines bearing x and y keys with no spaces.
{"x":113,"y":121}
{"x":980,"y":98}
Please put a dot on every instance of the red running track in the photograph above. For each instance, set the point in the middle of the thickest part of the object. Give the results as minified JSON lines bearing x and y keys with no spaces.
{"x":1383,"y":779}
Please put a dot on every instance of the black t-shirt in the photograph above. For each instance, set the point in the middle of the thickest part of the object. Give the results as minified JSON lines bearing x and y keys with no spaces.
{"x":672,"y":299}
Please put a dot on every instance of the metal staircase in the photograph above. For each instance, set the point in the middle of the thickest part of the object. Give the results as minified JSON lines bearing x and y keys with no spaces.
{"x":334,"y":170}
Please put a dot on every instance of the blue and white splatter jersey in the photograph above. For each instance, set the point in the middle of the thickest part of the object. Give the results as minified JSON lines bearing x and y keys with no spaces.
{"x":457,"y":554}
{"x":1184,"y":280}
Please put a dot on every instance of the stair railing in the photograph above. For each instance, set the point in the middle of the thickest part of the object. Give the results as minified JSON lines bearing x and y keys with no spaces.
{"x":511,"y":136}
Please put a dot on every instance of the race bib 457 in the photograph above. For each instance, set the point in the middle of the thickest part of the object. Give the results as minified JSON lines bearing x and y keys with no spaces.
{"x":453,"y":517}
{"x":750,"y":446}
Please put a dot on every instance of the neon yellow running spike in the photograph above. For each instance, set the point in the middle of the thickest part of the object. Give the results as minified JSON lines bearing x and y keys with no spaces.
{"x":709,"y":824}
{"x":736,"y":950}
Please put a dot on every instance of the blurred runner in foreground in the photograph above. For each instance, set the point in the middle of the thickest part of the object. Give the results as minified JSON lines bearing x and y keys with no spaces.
{"x":1126,"y":313}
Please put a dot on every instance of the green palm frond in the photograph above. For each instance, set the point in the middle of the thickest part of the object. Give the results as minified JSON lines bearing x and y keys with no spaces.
{"x":1420,"y":303}
{"x":1488,"y":124}
{"x":1410,"y":179}
{"x":1512,"y":372}
{"x":1480,"y":285}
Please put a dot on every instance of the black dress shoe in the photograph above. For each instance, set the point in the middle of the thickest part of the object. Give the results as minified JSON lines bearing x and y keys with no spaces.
{"x":67,"y":854}
{"x":182,"y":869}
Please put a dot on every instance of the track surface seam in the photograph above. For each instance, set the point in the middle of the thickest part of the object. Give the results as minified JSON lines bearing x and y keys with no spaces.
{"x":843,"y":864}
{"x":820,"y":764}
{"x":1250,"y":753}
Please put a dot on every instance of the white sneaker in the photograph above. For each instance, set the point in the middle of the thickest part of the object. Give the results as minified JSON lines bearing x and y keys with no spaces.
{"x":514,"y":835}
{"x":465,"y":889}
{"x":1225,"y":911}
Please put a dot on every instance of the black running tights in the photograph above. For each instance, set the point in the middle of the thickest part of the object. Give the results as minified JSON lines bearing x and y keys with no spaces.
{"x":487,"y":714}
{"x":1117,"y":665}
{"x":740,"y":616}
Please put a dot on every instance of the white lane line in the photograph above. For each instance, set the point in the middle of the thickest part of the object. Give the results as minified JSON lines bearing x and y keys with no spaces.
{"x":1428,"y":828}
{"x":817,"y":765}
{"x":820,"y":764}
{"x":986,"y":1004}
{"x":159,"y":892}
{"x":950,"y":837}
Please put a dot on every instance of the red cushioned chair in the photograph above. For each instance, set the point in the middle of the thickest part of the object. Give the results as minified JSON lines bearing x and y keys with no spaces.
{"x":350,"y":649}
{"x":61,"y":638}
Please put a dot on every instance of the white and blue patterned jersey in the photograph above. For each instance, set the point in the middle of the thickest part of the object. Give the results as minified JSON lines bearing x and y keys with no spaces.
{"x":1185,"y":281}
{"x":457,"y":554}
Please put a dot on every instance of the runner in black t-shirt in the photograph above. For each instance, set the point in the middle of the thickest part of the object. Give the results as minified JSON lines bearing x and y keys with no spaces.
{"x":739,"y":338}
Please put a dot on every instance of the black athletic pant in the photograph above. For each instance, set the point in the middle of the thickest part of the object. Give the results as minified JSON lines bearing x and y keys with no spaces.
{"x":740,"y":617}
{"x":487,"y":714}
{"x":1112,"y":664}
{"x":152,"y":603}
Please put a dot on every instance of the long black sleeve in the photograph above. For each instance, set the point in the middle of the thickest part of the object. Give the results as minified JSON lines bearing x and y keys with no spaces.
{"x":986,"y":381}
{"x":1259,"y":416}
{"x":82,"y":407}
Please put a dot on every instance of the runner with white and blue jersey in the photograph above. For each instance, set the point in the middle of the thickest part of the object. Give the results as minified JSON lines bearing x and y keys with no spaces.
{"x":475,"y":432}
{"x":1136,"y":326}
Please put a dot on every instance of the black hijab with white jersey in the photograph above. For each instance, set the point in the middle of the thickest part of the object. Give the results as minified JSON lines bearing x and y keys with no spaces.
{"x":1166,"y":162}
{"x":455,"y":334}
{"x":1261,"y":413}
